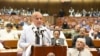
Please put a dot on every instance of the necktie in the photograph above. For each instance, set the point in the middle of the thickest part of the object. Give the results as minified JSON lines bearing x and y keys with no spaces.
{"x":79,"y":53}
{"x":37,"y":36}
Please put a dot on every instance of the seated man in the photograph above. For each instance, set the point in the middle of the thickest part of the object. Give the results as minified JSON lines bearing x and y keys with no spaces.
{"x":79,"y":49}
{"x":8,"y":33}
{"x":57,"y":40}
{"x":60,"y":29}
{"x":95,"y":32}
{"x":82,"y":34}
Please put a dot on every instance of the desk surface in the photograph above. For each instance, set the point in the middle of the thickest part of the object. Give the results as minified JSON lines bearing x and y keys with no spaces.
{"x":95,"y":41}
{"x":13,"y":52}
{"x":8,"y":52}
{"x":10,"y":43}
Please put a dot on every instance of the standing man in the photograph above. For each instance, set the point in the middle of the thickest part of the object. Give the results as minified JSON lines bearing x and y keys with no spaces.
{"x":71,"y":11}
{"x":35,"y":35}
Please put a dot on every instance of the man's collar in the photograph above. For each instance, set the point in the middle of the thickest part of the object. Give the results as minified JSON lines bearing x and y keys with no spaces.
{"x":33,"y":25}
{"x":35,"y":28}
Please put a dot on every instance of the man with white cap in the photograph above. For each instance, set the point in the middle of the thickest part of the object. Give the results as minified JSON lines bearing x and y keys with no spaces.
{"x":83,"y":34}
{"x":79,"y":49}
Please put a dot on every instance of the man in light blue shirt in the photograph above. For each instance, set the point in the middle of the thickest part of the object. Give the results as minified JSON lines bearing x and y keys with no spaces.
{"x":28,"y":36}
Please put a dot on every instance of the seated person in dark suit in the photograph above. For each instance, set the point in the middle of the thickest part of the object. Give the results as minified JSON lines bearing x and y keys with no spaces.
{"x":65,"y":24}
{"x":61,"y":13}
{"x":56,"y":40}
{"x":83,"y":34}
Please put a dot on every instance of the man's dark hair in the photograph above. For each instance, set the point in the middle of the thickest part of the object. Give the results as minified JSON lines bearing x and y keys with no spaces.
{"x":56,"y":30}
{"x":9,"y":25}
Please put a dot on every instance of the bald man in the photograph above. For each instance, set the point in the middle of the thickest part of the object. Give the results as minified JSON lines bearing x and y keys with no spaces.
{"x":35,"y":35}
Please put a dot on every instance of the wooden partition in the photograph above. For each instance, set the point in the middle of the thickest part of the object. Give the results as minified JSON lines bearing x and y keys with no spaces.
{"x":50,"y":19}
{"x":52,"y":6}
{"x":8,"y":52}
{"x":10,"y":44}
{"x":48,"y":50}
{"x":14,"y":52}
{"x":13,"y":43}
{"x":95,"y":41}
{"x":69,"y":42}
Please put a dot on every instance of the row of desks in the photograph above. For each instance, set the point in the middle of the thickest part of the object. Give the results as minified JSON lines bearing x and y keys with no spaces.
{"x":13,"y":43}
{"x":14,"y":52}
{"x":8,"y":52}
{"x":95,"y":42}
{"x":11,"y":52}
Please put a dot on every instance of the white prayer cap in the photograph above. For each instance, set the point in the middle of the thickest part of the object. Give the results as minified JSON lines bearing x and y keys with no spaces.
{"x":82,"y":40}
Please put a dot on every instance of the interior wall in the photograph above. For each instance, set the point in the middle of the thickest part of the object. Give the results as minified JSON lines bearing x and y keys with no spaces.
{"x":53,"y":8}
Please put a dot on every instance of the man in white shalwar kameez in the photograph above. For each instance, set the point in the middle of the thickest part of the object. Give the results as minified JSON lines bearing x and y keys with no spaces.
{"x":28,"y":36}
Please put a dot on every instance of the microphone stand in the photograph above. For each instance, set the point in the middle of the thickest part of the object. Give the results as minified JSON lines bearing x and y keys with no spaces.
{"x":42,"y":37}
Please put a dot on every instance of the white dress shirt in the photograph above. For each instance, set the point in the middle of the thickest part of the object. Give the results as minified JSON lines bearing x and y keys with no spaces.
{"x":28,"y":38}
{"x":4,"y":35}
{"x":75,"y":52}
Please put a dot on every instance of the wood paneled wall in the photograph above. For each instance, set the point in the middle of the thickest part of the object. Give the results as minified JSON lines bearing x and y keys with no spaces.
{"x":53,"y":7}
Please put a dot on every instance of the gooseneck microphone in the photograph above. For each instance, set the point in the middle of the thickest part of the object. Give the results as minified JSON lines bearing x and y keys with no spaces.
{"x":41,"y":36}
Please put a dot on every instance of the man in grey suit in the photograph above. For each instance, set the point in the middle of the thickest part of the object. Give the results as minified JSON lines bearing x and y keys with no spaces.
{"x":56,"y":40}
{"x":34,"y":35}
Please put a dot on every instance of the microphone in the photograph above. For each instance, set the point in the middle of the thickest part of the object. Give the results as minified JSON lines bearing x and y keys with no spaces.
{"x":57,"y":43}
{"x":37,"y":35}
{"x":32,"y":28}
{"x":42,"y":33}
{"x":44,"y":37}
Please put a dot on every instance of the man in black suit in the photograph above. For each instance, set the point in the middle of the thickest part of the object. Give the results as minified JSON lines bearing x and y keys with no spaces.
{"x":56,"y":40}
{"x":83,"y":34}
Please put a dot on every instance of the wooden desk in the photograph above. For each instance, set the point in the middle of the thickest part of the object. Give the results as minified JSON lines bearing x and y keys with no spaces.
{"x":69,"y":42}
{"x":94,"y":52}
{"x":10,"y":43}
{"x":46,"y":50}
{"x":95,"y":41}
{"x":14,"y":52}
{"x":8,"y":52}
